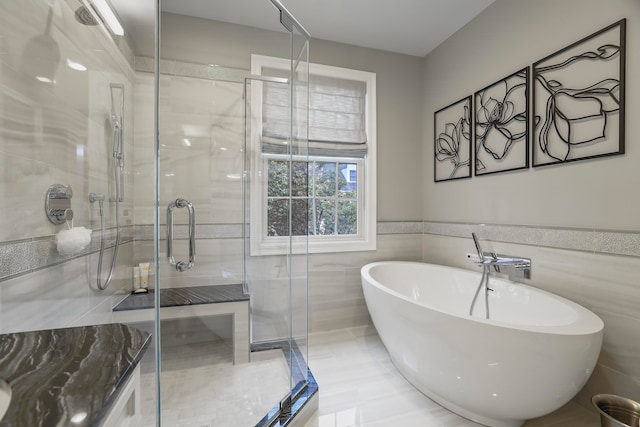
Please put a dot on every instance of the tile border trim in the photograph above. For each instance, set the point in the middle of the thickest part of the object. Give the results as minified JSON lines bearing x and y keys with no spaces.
{"x":608,"y":242}
{"x":21,"y":257}
{"x":399,"y":227}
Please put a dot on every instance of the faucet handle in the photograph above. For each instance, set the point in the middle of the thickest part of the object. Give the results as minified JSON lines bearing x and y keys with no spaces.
{"x":515,"y":267}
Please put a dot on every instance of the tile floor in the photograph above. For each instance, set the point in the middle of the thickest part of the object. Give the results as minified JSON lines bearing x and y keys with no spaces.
{"x":360,"y":387}
{"x":201,"y":387}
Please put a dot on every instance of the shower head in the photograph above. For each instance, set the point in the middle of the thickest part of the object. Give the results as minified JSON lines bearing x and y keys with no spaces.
{"x":116,"y":121}
{"x":84,"y":16}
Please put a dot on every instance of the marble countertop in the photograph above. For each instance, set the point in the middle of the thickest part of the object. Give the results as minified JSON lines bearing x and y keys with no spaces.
{"x":61,"y":375}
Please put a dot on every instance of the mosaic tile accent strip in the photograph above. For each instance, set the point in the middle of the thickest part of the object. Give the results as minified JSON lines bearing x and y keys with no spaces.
{"x":617,"y":242}
{"x":399,"y":227}
{"x":189,"y":69}
{"x":234,"y":231}
{"x":587,"y":240}
{"x":25,"y":256}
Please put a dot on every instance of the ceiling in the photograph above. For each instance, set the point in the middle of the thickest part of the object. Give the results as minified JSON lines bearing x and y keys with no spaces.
{"x":413,"y":27}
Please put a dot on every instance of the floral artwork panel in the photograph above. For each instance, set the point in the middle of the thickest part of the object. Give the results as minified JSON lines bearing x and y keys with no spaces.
{"x":578,"y":98}
{"x":502,"y":125}
{"x":452,"y":141}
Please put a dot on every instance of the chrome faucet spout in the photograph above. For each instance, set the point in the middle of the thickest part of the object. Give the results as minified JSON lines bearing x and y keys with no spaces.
{"x":514,"y":267}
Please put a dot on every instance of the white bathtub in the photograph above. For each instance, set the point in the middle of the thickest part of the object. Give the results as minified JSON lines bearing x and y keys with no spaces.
{"x":533,"y":355}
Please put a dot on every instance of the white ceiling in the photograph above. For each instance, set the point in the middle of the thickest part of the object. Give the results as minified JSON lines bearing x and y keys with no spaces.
{"x":413,"y":27}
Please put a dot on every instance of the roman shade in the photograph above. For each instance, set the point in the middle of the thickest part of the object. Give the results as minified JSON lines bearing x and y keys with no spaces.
{"x":336,"y":116}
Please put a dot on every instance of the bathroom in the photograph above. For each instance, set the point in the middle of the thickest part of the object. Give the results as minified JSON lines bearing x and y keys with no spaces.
{"x":578,"y":223}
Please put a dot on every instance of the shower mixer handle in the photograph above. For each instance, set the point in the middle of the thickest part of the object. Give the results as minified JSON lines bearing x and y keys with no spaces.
{"x":181,"y":266}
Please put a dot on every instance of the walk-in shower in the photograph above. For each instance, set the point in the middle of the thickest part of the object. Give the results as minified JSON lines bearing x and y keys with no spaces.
{"x":137,"y":131}
{"x":116,"y":92}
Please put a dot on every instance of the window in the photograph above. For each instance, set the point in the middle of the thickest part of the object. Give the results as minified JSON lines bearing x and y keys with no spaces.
{"x":330,"y":186}
{"x":324,"y":196}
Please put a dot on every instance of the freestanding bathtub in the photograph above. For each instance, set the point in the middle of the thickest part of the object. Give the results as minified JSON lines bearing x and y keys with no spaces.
{"x":534,"y":354}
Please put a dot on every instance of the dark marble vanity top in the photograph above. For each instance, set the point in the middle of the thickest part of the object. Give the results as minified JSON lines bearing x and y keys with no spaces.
{"x":174,"y":297}
{"x":58,"y":375}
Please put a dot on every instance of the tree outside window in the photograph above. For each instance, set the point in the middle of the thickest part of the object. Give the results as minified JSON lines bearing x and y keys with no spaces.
{"x":324,"y":197}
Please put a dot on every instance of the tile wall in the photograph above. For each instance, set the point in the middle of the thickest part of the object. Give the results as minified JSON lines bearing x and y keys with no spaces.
{"x":595,"y":268}
{"x":55,"y":129}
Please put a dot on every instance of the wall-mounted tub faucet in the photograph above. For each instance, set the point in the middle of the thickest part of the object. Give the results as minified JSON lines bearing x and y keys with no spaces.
{"x":515,"y":267}
{"x":483,"y":255}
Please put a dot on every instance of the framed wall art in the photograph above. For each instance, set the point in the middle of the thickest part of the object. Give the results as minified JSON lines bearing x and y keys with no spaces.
{"x":578,"y":99}
{"x":452,"y":141}
{"x":501,"y":137}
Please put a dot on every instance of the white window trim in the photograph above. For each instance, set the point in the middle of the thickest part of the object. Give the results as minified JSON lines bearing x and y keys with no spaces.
{"x":365,"y":240}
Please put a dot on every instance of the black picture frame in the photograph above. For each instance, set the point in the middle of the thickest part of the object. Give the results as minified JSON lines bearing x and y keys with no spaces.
{"x":501,"y":116}
{"x":452,"y":128}
{"x":578,"y":99}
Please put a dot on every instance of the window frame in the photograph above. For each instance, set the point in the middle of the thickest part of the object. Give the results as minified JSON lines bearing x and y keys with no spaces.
{"x":365,"y":239}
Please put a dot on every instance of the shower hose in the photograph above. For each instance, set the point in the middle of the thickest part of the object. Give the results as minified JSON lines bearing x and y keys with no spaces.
{"x":103,"y":285}
{"x":117,"y":166}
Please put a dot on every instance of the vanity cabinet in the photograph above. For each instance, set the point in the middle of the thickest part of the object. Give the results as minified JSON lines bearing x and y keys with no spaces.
{"x":126,"y":411}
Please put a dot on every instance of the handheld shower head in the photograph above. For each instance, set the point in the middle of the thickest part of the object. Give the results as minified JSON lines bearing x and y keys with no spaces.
{"x":118,"y":151}
{"x":478,"y":248}
{"x":116,"y":121}
{"x":117,"y":117}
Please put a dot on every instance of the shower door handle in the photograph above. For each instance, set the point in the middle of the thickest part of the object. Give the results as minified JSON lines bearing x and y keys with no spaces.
{"x":181,"y":265}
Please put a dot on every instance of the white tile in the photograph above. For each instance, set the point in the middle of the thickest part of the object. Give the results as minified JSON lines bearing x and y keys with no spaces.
{"x":49,"y":298}
{"x":200,"y":386}
{"x":359,"y":386}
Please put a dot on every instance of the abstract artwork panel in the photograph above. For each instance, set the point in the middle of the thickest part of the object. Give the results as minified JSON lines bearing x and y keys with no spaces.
{"x":578,"y":99}
{"x":452,"y":141}
{"x":502,"y":125}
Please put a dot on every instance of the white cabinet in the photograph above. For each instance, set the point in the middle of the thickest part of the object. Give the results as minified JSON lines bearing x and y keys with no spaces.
{"x":126,"y":411}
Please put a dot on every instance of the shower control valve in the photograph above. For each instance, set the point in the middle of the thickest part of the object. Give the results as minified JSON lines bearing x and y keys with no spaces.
{"x":57,"y":203}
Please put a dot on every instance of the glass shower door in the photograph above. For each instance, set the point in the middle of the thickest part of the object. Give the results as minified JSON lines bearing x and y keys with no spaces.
{"x":277,"y":207}
{"x":210,"y":371}
{"x":208,"y":376}
{"x":299,"y":105}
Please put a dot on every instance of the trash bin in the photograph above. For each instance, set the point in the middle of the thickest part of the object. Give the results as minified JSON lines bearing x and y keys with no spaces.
{"x":616,"y":411}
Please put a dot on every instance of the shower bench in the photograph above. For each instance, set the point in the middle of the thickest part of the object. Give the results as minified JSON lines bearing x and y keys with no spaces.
{"x":195,"y":301}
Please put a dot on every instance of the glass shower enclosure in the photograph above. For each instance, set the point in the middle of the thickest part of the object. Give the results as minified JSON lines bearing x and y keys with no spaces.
{"x":158,"y":156}
{"x":276,"y":205}
{"x":235,"y":355}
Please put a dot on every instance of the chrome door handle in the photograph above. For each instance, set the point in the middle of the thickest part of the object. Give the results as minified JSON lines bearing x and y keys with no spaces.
{"x":181,"y":265}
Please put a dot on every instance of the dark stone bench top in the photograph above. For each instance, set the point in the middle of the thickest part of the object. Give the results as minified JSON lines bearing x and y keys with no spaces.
{"x":60,"y":373}
{"x":178,"y":297}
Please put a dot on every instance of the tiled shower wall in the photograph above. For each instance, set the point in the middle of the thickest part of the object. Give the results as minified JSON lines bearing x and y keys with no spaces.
{"x":40,"y":289}
{"x":57,"y":131}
